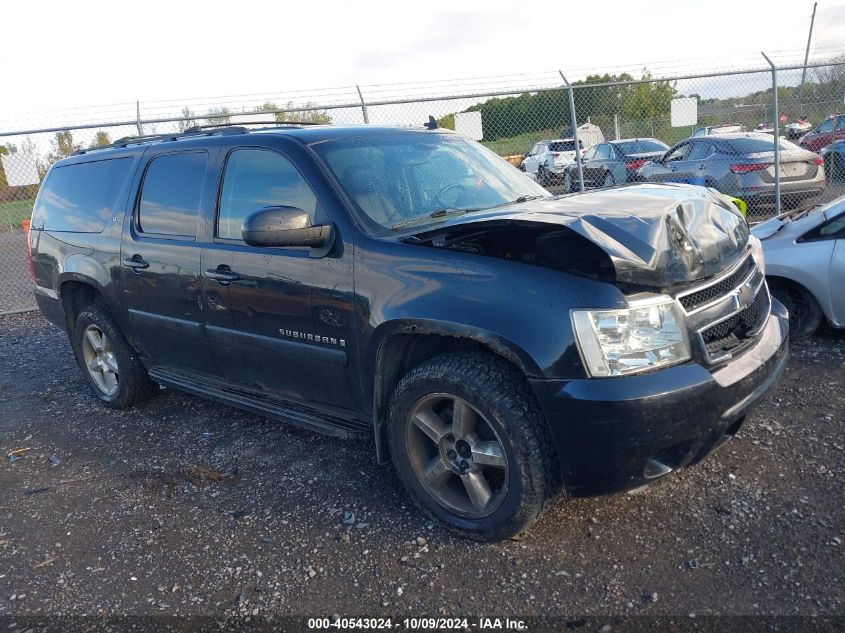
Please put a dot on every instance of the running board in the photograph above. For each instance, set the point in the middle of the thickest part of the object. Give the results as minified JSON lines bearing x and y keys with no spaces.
{"x":264,"y":404}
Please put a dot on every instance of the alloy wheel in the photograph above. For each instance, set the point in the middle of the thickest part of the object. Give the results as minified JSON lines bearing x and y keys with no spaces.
{"x":100,"y":359}
{"x":457,"y":456}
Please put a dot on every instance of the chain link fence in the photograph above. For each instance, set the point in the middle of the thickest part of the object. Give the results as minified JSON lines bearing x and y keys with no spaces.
{"x":599,"y":131}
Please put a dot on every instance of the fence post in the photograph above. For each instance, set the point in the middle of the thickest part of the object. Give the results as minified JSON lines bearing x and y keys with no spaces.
{"x":574,"y":122}
{"x":776,"y":131}
{"x":138,"y":118}
{"x":616,"y":126}
{"x":363,"y":104}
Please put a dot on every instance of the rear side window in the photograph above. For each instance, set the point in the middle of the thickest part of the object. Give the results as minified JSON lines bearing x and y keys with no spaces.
{"x":81,"y":197}
{"x":171,"y":194}
{"x":563,"y":146}
{"x":700,"y":150}
{"x":641,"y":147}
{"x":258,"y":178}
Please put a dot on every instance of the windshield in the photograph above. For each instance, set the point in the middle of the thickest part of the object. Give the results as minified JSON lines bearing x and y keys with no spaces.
{"x":563,"y":146}
{"x":641,"y":147}
{"x":402,"y":177}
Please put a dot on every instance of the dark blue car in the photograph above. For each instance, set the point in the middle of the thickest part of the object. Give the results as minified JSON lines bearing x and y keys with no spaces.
{"x":834,"y":160}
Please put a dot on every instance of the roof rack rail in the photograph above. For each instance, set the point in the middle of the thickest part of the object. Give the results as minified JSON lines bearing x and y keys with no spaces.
{"x":240,"y":124}
{"x":149,"y":138}
{"x":196,"y":130}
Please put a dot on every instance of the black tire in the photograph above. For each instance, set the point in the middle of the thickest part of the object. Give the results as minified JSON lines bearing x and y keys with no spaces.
{"x":504,"y":402}
{"x":568,"y":182}
{"x":542,"y":176}
{"x":834,"y":168}
{"x":607,"y":175}
{"x":133,"y":385}
{"x":805,"y":314}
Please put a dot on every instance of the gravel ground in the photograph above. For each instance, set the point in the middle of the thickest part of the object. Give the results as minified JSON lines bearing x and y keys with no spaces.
{"x":187,"y":507}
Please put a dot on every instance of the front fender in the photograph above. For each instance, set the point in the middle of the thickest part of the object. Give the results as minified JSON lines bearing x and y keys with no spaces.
{"x":495,"y":342}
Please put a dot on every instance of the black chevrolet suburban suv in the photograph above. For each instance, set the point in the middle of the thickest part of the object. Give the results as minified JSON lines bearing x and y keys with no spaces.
{"x":497,"y":343}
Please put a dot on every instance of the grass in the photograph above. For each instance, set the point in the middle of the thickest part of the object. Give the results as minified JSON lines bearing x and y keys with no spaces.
{"x":11,"y":214}
{"x":519,"y":144}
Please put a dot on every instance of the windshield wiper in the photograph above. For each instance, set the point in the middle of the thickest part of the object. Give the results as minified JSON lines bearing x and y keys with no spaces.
{"x":446,"y":212}
{"x":519,"y":200}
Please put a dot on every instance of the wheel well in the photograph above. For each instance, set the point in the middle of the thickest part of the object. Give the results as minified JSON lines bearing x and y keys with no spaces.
{"x":400,"y":353}
{"x":76,"y":295}
{"x":775,"y":280}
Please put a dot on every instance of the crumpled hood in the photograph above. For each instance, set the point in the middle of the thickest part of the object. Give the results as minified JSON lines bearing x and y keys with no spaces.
{"x":655,"y":234}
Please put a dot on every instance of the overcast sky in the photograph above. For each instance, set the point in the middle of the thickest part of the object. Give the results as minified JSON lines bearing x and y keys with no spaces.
{"x":56,"y":55}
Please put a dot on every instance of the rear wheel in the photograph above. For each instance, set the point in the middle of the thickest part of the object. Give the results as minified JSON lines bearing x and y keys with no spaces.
{"x":542,"y":176}
{"x":110,"y":366}
{"x":469,"y":444}
{"x":567,"y":181}
{"x":805,"y":314}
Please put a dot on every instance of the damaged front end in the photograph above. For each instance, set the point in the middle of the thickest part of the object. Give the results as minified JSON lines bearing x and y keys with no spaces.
{"x":682,"y":255}
{"x":649,"y":235}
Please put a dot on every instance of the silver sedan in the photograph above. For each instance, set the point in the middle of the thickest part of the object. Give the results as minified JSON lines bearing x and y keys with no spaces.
{"x":742,"y":166}
{"x":805,"y":265}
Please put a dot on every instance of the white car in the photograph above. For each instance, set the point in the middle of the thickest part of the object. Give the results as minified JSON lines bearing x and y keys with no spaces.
{"x":548,"y":159}
{"x":805,"y":265}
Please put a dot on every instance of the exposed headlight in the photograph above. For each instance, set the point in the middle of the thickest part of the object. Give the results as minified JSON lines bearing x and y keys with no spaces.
{"x":647,"y":335}
{"x":757,"y":252}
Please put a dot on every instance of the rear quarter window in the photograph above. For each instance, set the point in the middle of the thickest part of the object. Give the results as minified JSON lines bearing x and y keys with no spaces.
{"x":81,"y":197}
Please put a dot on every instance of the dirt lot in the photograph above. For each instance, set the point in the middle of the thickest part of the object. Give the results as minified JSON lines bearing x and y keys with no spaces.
{"x":187,"y":507}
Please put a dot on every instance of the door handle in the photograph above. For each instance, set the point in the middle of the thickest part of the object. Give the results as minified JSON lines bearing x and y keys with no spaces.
{"x":222,"y":276}
{"x":136,"y":263}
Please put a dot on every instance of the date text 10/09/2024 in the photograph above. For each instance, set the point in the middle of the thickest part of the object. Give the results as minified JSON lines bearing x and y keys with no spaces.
{"x":417,"y":624}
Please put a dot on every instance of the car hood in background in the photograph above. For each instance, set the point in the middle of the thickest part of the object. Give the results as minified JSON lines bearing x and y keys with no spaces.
{"x":658,"y":235}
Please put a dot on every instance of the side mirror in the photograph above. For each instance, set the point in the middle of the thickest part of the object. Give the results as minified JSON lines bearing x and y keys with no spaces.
{"x":284,"y":226}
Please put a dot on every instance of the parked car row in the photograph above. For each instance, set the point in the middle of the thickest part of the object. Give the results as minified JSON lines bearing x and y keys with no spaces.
{"x":738,"y":165}
{"x":614,"y":162}
{"x":830,"y":130}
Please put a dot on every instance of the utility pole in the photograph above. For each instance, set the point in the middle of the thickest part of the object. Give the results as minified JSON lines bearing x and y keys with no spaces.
{"x":807,"y":55}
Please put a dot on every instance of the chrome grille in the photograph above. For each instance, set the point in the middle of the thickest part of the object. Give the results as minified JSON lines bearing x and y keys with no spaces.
{"x":710,"y":293}
{"x":724,"y":315}
{"x":729,"y":334}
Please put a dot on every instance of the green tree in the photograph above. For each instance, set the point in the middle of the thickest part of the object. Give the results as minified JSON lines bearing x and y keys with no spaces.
{"x":306,"y":115}
{"x":101,"y":139}
{"x":62,"y":146}
{"x":187,"y":120}
{"x":218,"y":116}
{"x":647,"y":101}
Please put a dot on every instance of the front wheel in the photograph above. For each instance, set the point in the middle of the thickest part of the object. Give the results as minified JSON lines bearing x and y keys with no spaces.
{"x":609,"y":180}
{"x":805,"y":313}
{"x":470,"y":445}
